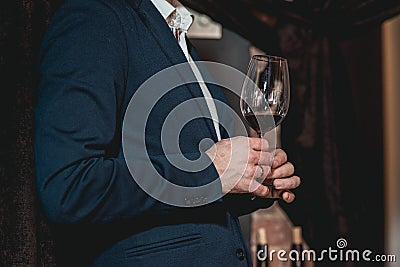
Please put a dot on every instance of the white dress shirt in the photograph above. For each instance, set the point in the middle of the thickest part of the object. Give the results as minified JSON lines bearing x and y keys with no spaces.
{"x":186,"y":20}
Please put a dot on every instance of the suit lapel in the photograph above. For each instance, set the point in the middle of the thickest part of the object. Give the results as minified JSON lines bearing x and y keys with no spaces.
{"x":161,"y":32}
{"x":225,"y":115}
{"x":155,"y":23}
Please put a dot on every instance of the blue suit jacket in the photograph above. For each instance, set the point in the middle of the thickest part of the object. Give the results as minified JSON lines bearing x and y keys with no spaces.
{"x":95,"y":55}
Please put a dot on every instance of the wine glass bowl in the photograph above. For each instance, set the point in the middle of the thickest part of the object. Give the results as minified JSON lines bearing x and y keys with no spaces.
{"x":266,"y":93}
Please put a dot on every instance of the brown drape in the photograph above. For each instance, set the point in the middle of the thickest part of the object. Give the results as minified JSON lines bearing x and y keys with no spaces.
{"x":319,"y":129}
{"x":25,"y":239}
{"x":333,"y":132}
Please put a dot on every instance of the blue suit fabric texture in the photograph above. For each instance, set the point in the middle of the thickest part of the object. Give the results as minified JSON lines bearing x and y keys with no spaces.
{"x":94,"y":56}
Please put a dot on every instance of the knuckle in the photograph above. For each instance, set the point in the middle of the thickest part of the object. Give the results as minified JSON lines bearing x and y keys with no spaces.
{"x":270,"y":157}
{"x":259,"y":143}
{"x":262,"y":191}
{"x":225,"y":143}
{"x":288,"y":170}
{"x":258,"y":189}
{"x":250,"y":171}
{"x":253,"y":157}
{"x":265,"y":157}
{"x":265,"y":191}
{"x":249,"y":140}
{"x":281,"y":156}
{"x":264,"y":143}
{"x":243,"y":185}
{"x":239,"y":188}
{"x":281,"y":159}
{"x":279,"y":173}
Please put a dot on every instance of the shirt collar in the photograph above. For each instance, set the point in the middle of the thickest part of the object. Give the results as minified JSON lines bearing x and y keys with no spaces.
{"x":166,"y":9}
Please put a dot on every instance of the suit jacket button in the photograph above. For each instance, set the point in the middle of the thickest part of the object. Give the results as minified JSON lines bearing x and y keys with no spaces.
{"x":240,"y":254}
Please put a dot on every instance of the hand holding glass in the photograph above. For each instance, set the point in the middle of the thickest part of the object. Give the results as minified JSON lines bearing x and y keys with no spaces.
{"x":265,"y":98}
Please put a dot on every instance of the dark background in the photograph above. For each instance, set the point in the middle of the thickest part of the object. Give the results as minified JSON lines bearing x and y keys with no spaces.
{"x":333,"y":132}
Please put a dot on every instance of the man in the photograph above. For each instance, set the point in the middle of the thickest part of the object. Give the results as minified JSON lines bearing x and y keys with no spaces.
{"x":94,"y":57}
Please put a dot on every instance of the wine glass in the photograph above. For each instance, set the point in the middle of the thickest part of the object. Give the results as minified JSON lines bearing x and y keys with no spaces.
{"x":265,"y":100}
{"x":266,"y":93}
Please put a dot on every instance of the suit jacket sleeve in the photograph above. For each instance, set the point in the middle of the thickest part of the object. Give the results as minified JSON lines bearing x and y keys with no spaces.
{"x":81,"y":175}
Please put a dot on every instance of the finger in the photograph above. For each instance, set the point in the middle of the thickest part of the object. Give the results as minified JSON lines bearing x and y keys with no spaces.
{"x":251,"y":180}
{"x":261,"y":172}
{"x":269,"y":181}
{"x":287,"y":196}
{"x":280,"y":158}
{"x":282,"y":171}
{"x":274,"y":193}
{"x":254,"y":172}
{"x":260,"y":157}
{"x":287,"y":183}
{"x":250,"y":172}
{"x":258,"y":144}
{"x":262,"y":191}
{"x":265,"y":158}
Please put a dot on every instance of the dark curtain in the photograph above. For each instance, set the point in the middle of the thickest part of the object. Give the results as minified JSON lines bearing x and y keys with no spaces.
{"x":333,"y":132}
{"x":319,"y":132}
{"x":25,"y":238}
